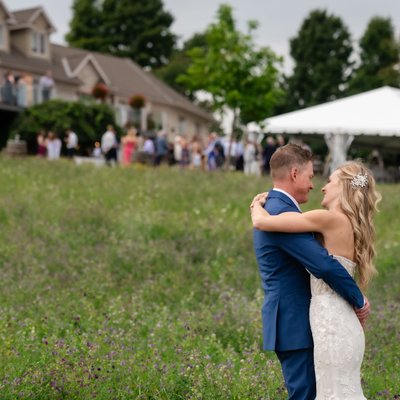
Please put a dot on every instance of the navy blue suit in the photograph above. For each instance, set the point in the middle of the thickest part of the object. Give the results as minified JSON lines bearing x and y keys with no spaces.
{"x":283,"y":259}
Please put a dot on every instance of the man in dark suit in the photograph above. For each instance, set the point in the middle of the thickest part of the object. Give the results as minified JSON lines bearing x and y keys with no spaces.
{"x":283,"y":260}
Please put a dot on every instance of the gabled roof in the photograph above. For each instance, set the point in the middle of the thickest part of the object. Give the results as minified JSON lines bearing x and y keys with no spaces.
{"x":74,"y":64}
{"x":9,"y":15}
{"x":74,"y":60}
{"x":27,"y":17}
{"x":127,"y":79}
{"x":375,"y":112}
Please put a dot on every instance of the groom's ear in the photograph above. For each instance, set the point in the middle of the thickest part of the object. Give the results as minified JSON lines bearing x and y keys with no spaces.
{"x":293,"y":173}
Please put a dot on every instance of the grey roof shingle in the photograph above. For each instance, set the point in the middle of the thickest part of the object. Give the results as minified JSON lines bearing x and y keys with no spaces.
{"x":127,"y":79}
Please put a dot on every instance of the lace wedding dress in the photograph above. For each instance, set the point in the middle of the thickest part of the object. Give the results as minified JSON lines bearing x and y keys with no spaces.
{"x":338,"y":342}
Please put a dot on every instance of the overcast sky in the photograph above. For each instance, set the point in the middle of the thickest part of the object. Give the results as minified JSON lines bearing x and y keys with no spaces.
{"x":279,"y":19}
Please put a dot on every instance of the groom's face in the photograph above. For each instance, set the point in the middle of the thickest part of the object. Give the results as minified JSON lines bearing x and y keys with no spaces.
{"x":303,"y":182}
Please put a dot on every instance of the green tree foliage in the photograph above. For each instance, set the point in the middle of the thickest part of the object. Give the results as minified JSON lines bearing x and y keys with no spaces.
{"x":235,"y":72}
{"x":89,"y":121}
{"x":321,"y":52}
{"x":378,"y":58}
{"x":126,"y":28}
{"x":179,"y":64}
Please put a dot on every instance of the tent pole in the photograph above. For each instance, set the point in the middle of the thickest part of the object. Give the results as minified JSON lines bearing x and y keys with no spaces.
{"x":338,"y":145}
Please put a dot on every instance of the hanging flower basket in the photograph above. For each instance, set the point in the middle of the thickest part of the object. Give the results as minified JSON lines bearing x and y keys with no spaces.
{"x":100,"y":91}
{"x":137,"y":101}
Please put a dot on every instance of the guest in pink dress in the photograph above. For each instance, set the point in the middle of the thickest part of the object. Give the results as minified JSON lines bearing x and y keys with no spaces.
{"x":129,"y":143}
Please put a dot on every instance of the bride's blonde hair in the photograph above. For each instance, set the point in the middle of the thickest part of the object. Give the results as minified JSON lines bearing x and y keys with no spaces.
{"x":359,"y":201}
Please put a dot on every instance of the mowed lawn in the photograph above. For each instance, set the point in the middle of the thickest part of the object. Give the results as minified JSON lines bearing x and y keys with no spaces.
{"x":135,"y":283}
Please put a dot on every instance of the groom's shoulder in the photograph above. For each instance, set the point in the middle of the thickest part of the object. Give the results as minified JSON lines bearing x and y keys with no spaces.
{"x":278,"y":202}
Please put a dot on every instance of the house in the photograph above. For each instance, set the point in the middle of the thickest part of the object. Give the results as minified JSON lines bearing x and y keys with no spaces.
{"x":26,"y":51}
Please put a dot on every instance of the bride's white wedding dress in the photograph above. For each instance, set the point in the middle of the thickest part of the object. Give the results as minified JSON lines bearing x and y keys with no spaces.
{"x":338,"y":342}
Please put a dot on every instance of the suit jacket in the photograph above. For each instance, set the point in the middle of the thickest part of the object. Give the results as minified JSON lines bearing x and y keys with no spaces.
{"x":283,"y":259}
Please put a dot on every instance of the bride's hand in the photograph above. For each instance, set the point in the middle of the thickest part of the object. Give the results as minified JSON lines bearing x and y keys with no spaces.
{"x":259,"y":198}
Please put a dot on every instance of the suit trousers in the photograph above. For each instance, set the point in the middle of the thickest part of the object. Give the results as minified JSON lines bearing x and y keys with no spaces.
{"x":298,"y":372}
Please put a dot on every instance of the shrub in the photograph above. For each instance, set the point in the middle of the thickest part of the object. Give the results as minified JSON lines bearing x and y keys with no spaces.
{"x":89,"y":121}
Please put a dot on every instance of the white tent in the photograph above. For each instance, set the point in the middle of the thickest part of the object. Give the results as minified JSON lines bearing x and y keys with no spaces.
{"x":373,"y":113}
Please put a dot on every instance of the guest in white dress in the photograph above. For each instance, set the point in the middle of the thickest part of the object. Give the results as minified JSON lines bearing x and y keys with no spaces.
{"x":53,"y":144}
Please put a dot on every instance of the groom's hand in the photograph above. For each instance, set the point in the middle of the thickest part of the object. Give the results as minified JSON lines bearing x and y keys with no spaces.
{"x":363,"y":313}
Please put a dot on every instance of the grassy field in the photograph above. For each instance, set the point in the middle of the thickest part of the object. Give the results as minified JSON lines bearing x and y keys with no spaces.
{"x":142,"y":284}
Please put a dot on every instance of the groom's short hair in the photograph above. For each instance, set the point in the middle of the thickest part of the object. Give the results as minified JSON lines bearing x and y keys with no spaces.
{"x":287,"y":157}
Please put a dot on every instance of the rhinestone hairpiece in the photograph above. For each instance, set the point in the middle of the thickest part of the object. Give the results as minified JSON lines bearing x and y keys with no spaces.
{"x":359,"y":181}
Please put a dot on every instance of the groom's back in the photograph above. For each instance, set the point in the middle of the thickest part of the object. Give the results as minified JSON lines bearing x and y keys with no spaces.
{"x":286,"y":284}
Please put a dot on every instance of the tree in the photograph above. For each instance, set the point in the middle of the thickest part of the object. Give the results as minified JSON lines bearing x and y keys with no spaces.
{"x":321,"y":52}
{"x":85,"y":26}
{"x":236,"y":73}
{"x":179,"y":64}
{"x":126,"y":28}
{"x":378,"y":58}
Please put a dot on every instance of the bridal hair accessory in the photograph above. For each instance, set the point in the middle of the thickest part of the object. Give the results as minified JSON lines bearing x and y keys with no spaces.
{"x":359,"y":181}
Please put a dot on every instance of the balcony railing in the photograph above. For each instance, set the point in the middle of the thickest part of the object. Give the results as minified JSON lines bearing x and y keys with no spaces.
{"x":24,"y":95}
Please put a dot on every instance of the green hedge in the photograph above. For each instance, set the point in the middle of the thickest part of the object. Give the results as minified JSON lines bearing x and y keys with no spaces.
{"x":89,"y":121}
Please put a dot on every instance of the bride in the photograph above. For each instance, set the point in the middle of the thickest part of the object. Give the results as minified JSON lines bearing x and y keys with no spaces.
{"x":346,"y":230}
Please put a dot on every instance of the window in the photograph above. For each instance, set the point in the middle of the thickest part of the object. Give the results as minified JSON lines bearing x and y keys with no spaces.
{"x":2,"y":38}
{"x":157,"y":118}
{"x":38,"y":42}
{"x":197,"y":129}
{"x":34,"y":49}
{"x":182,"y":126}
{"x":42,"y":43}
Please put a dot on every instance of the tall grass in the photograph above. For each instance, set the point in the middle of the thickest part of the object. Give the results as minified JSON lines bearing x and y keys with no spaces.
{"x":142,"y":284}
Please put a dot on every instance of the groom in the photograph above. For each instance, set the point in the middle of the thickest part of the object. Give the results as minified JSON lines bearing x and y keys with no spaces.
{"x":283,"y":259}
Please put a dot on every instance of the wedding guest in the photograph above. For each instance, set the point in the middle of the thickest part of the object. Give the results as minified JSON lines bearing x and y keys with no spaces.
{"x":250,"y":158}
{"x":239,"y":165}
{"x":21,"y":91}
{"x":8,"y":89}
{"x":280,"y":141}
{"x":53,"y":144}
{"x":177,"y":149}
{"x":109,"y":145}
{"x":213,"y":152}
{"x":71,"y":142}
{"x":149,"y":151}
{"x":41,"y":144}
{"x":96,"y":150}
{"x":46,"y":83}
{"x":129,"y":145}
{"x":268,"y":150}
{"x":196,"y":159}
{"x":185,"y":155}
{"x":161,"y":147}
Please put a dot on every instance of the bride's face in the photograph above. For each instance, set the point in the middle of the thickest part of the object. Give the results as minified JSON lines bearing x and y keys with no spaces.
{"x":332,"y":190}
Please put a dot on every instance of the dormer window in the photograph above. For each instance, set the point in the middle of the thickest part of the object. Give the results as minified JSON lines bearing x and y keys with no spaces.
{"x":38,"y":43}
